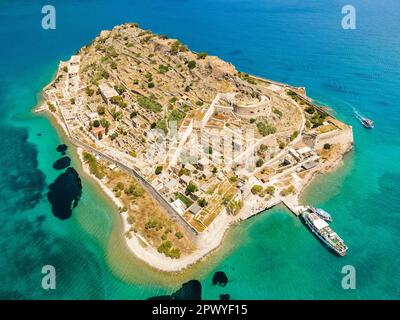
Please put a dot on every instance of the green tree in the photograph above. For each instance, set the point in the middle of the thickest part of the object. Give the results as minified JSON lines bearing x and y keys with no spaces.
{"x":104,"y":123}
{"x":209,"y":150}
{"x":163,"y":69}
{"x":158,"y":170}
{"x":175,"y":48}
{"x":191,"y":188}
{"x":51,"y":106}
{"x":294,"y":135}
{"x":259,"y":162}
{"x":265,"y":129}
{"x":202,"y":55}
{"x":263,"y":147}
{"x":202,"y":202}
{"x":165,"y":247}
{"x":191,"y":64}
{"x":133,"y":114}
{"x":256,"y":189}
{"x":89,"y":91}
{"x":270,"y":190}
{"x":179,"y":235}
{"x":149,"y":104}
{"x":277,"y":112}
{"x":101,"y":110}
{"x":119,"y":88}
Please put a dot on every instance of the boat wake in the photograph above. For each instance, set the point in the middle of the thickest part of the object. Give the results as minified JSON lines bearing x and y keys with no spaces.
{"x":357,"y":114}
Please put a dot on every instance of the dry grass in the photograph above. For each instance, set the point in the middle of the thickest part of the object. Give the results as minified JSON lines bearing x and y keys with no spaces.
{"x":147,"y":217}
{"x":325,"y":129}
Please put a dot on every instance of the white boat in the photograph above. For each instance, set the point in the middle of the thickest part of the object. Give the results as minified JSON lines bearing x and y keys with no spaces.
{"x":368,"y":123}
{"x":323,"y":214}
{"x":322,"y":230}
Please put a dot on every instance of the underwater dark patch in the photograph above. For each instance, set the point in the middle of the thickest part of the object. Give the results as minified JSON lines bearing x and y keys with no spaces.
{"x":21,"y":183}
{"x":64,"y":194}
{"x":62,"y":163}
{"x":235,"y":52}
{"x":220,"y":279}
{"x":339,"y":88}
{"x":190,"y":290}
{"x":23,"y":261}
{"x":12,"y":295}
{"x":40,"y":219}
{"x":62,"y":148}
{"x":225,"y":297}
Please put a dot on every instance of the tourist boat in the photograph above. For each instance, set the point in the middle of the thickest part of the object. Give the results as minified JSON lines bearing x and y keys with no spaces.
{"x":323,"y":214}
{"x":322,"y":230}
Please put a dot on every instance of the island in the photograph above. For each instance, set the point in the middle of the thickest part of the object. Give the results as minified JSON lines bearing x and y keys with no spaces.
{"x":184,"y":144}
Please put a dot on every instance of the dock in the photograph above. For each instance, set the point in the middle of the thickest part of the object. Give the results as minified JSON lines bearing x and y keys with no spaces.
{"x":293,"y":206}
{"x":41,"y":108}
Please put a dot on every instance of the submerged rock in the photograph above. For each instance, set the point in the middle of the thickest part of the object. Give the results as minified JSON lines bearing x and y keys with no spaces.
{"x":220,"y":279}
{"x":62,"y":148}
{"x":64,"y":194}
{"x":62,"y":163}
{"x":190,"y":290}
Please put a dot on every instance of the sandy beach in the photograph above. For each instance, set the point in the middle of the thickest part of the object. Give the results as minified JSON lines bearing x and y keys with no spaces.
{"x":209,"y":241}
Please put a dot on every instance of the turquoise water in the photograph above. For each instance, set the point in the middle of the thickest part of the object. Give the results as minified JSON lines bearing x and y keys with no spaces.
{"x":270,"y":256}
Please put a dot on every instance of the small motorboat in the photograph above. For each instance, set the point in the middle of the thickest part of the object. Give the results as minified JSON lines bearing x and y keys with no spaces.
{"x":368,"y":123}
{"x":323,"y":214}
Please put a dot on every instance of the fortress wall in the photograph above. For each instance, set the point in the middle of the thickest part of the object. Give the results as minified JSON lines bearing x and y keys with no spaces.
{"x":252,"y":111}
{"x":223,"y":109}
{"x":210,"y":111}
{"x":263,"y":108}
{"x":342,"y":137}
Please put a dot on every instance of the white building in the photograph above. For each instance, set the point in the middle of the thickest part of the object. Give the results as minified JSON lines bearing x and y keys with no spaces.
{"x":179,"y":206}
{"x":107,"y":92}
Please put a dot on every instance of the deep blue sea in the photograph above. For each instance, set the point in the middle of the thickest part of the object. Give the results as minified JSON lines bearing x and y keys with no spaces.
{"x":272,"y":256}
